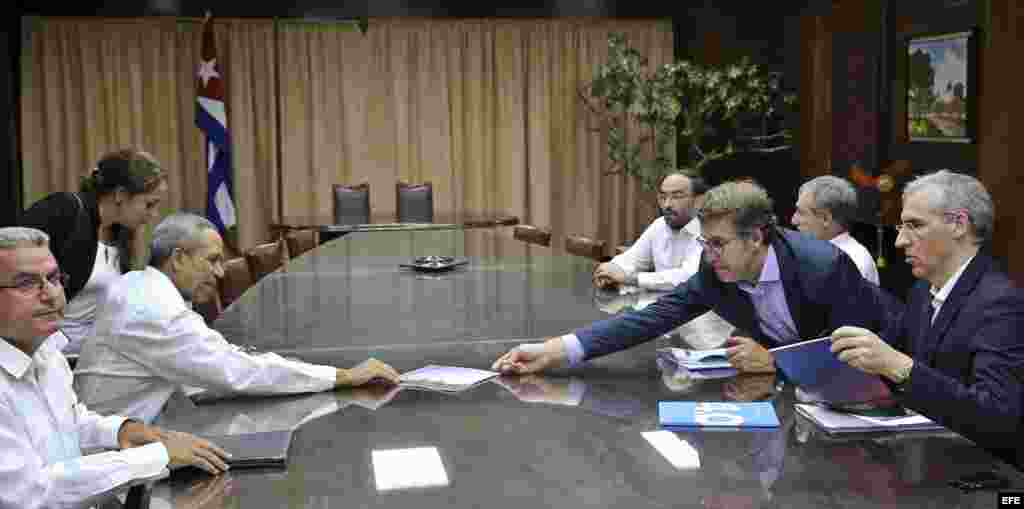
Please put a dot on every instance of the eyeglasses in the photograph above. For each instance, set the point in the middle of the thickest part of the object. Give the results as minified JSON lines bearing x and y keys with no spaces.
{"x":714,"y":245}
{"x":913,"y":228}
{"x":26,"y":284}
{"x":673,"y":196}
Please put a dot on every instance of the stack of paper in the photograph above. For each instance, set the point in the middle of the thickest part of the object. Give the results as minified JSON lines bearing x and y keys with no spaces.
{"x":445,"y":378}
{"x":841,"y":422}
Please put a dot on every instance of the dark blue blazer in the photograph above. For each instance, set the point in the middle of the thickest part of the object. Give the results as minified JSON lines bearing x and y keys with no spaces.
{"x":824,"y":291}
{"x":968,"y":364}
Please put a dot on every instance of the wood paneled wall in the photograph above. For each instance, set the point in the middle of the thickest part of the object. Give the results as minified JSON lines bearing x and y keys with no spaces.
{"x":994,"y":157}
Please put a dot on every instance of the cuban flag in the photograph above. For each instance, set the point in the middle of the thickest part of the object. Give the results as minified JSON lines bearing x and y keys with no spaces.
{"x":212,"y":119}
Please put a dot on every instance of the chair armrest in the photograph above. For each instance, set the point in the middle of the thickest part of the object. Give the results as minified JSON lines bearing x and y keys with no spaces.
{"x":137,"y":493}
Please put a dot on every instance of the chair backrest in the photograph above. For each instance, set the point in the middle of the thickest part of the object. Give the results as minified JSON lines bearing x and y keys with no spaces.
{"x":265,"y":258}
{"x":415,"y":202}
{"x":532,"y":234}
{"x":584,"y":246}
{"x":352,"y":204}
{"x":237,"y":279}
{"x":300,"y":241}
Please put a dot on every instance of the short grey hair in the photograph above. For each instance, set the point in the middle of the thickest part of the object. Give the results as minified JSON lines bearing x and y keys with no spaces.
{"x":747,"y":202}
{"x":175,"y":230}
{"x":12,"y":237}
{"x":834,"y":194}
{"x":948,"y":190}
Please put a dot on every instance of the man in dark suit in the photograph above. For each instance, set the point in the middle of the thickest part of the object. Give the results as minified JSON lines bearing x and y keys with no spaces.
{"x":957,"y":356}
{"x":780,"y":285}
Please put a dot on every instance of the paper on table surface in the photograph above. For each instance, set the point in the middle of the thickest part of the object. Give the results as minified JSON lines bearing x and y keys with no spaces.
{"x":896,"y":421}
{"x":447,"y":375}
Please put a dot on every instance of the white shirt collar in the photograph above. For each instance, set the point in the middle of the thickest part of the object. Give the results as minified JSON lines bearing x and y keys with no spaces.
{"x":943,"y":293}
{"x":16,"y":362}
{"x":842,"y":238}
{"x":693,"y":227}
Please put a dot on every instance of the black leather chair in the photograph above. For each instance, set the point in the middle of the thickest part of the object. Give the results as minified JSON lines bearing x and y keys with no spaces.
{"x":415,"y":202}
{"x":352,"y":204}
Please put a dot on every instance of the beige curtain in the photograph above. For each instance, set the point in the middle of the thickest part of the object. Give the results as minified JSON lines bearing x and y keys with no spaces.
{"x":92,"y":85}
{"x":486,"y":110}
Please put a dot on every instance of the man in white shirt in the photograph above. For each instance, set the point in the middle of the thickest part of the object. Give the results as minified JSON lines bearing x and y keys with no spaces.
{"x":43,"y":427}
{"x":667,"y":253}
{"x":825,"y":208}
{"x":148,"y":343}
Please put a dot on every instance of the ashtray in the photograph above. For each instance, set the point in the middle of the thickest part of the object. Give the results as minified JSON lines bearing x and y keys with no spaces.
{"x":434,"y":263}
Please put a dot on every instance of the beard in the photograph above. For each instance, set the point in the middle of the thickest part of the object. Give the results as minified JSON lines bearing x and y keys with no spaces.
{"x":676,"y":220}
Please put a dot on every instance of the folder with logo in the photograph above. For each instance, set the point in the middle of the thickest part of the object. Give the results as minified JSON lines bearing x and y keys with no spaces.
{"x":720,"y":416}
{"x":813,"y":367}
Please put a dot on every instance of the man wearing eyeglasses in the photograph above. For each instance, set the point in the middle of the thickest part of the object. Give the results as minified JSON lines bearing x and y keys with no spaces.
{"x":148,"y":344}
{"x":778,"y":285}
{"x":43,"y":427}
{"x":825,"y":208}
{"x":956,"y":356}
{"x":667,"y":253}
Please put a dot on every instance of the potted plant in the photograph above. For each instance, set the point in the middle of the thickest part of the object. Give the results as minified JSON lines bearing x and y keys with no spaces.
{"x":702,"y":108}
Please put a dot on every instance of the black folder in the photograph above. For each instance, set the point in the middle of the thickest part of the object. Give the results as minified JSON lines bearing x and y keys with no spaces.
{"x":254,"y":450}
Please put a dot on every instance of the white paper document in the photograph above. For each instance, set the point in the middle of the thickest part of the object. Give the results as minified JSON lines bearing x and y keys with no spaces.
{"x":897,"y":421}
{"x":445,"y":378}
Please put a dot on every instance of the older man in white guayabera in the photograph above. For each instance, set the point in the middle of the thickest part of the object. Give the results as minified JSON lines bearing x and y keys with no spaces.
{"x":825,"y":208}
{"x":44,"y":429}
{"x":148,"y":344}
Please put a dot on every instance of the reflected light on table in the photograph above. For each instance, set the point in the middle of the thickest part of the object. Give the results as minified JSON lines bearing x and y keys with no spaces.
{"x":397,"y":469}
{"x":678,"y":452}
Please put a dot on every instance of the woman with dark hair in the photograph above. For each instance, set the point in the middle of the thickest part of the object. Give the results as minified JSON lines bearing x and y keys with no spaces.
{"x":96,"y":233}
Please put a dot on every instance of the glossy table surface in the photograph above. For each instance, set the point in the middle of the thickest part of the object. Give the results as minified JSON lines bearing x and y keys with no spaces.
{"x":571,"y":438}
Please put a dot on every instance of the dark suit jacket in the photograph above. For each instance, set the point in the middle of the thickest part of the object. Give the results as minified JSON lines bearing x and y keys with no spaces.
{"x":824,"y":291}
{"x":73,"y":237}
{"x":968,"y":364}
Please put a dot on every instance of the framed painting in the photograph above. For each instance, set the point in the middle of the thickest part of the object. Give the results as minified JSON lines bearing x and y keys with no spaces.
{"x":940,"y":89}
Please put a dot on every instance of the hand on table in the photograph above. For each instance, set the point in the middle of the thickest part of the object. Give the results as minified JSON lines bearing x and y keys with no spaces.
{"x":747,"y":356}
{"x":867,"y":352}
{"x":608,"y":275}
{"x":188,"y":450}
{"x":531,"y":358}
{"x":370,"y":370}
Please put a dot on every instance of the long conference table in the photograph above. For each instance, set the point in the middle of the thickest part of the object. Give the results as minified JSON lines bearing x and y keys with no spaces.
{"x":571,"y":438}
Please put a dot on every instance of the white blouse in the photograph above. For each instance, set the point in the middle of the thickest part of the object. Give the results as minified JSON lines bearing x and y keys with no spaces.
{"x":80,"y":313}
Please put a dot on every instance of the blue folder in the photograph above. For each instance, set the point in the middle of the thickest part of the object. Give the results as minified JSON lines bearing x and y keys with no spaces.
{"x":813,"y":367}
{"x":718,"y":415}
